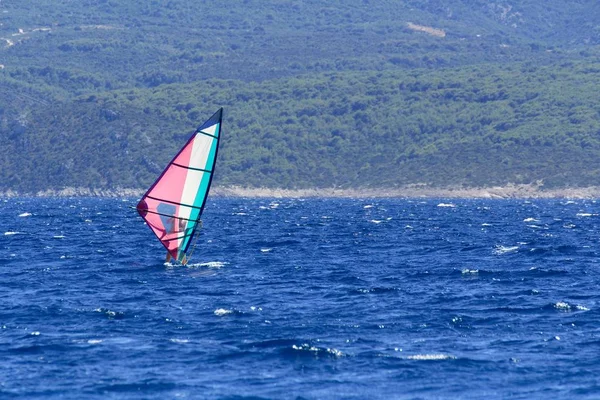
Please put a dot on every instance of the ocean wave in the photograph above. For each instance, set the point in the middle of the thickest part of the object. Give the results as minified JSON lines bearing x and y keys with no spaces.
{"x":566,"y":307}
{"x":500,"y":250}
{"x":431,"y":357}
{"x":110,"y":313}
{"x":209,"y":264}
{"x":311,"y":349}
{"x":467,"y":271}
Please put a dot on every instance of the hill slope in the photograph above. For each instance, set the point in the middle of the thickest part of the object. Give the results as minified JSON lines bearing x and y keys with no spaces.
{"x":342,"y":93}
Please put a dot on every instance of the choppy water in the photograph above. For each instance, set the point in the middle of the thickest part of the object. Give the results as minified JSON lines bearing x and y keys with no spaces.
{"x":312,"y":299}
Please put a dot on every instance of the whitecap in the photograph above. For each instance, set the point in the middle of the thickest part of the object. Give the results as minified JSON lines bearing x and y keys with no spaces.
{"x":94,"y":341}
{"x":88,"y":220}
{"x":314,"y":349}
{"x":180,"y":341}
{"x":375,"y":221}
{"x":531,"y":220}
{"x":25,"y":214}
{"x":536,"y":227}
{"x":499,"y":250}
{"x":368,"y":206}
{"x":486,"y":224}
{"x":563,"y":306}
{"x":12,"y":233}
{"x":431,"y":357}
{"x":35,"y":333}
{"x":582,"y":308}
{"x":266,"y":250}
{"x":449,"y":205}
{"x":240,"y":213}
{"x":585,"y":215}
{"x":213,"y":264}
{"x":470,"y":271}
{"x":59,"y":236}
{"x":221,"y":311}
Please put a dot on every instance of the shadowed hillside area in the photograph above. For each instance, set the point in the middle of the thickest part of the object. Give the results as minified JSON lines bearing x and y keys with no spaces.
{"x":343,"y":93}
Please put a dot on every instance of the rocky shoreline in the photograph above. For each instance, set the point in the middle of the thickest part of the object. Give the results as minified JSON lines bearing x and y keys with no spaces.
{"x":415,"y":191}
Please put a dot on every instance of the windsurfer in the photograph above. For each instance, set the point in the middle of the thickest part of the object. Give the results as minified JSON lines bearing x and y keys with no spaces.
{"x":176,"y":228}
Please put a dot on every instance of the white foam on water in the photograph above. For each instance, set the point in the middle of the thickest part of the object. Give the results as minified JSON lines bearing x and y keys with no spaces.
{"x":25,"y":214}
{"x":369,"y":206}
{"x":585,"y":215}
{"x":59,"y":236}
{"x":448,"y":205}
{"x":375,"y":221}
{"x":582,"y":308}
{"x":486,"y":224}
{"x":213,"y":264}
{"x":9,"y":233}
{"x":266,"y":250}
{"x":219,"y":312}
{"x":94,"y":341}
{"x":500,"y":250}
{"x":431,"y":357}
{"x":180,"y":341}
{"x":35,"y":333}
{"x":563,"y":306}
{"x":470,"y":271}
{"x":314,"y":349}
{"x":531,"y":220}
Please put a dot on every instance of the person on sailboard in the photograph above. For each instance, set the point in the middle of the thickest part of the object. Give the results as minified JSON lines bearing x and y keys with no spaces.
{"x":176,"y":228}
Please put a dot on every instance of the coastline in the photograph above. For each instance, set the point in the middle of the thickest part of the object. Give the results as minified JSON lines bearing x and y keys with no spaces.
{"x":413,"y":191}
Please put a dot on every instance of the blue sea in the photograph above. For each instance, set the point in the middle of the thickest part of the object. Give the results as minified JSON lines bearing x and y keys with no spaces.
{"x":303,"y":299}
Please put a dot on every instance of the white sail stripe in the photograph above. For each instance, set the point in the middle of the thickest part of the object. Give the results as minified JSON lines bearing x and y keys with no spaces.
{"x":200,"y":151}
{"x":211,"y":130}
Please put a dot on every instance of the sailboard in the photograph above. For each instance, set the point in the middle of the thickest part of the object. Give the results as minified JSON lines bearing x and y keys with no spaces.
{"x":173,"y":205}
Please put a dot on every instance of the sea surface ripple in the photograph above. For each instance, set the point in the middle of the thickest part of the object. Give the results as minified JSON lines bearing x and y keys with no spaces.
{"x":302,"y":298}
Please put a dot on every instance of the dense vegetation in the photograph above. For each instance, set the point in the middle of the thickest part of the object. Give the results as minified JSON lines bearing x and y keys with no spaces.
{"x":339,"y":93}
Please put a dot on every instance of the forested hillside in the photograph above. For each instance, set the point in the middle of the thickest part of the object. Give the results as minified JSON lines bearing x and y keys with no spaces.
{"x":316,"y":94}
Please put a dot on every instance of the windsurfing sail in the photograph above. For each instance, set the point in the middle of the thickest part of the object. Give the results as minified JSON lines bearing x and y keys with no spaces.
{"x":174,"y":203}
